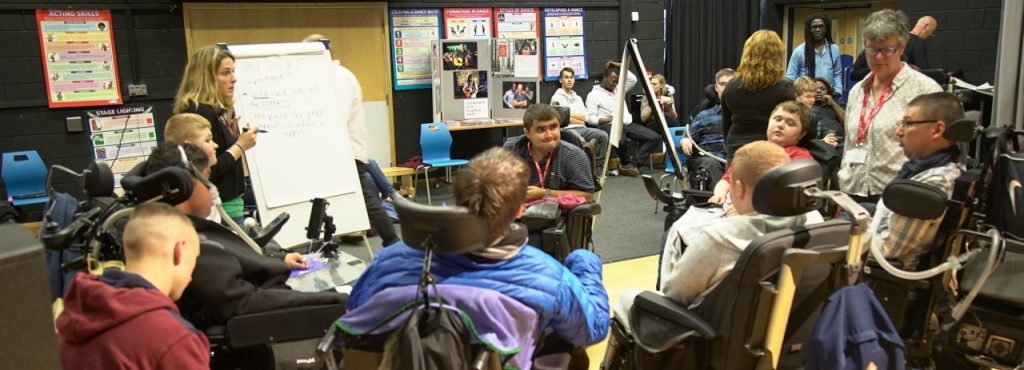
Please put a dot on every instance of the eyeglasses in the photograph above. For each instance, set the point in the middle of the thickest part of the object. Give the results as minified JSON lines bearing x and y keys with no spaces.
{"x":906,"y":123}
{"x":885,"y":51}
{"x":722,"y":83}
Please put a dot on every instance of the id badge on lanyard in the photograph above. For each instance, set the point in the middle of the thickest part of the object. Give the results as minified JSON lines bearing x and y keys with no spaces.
{"x":859,"y":155}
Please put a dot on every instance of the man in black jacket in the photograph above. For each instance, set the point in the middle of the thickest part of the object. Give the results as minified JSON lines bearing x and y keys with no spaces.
{"x":230,"y":277}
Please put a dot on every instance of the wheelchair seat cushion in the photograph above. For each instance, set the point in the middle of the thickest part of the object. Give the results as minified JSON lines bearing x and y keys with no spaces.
{"x":494,"y":320}
{"x":1004,"y":283}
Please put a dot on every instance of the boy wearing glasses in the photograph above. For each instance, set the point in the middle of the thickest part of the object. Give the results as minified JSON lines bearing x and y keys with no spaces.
{"x":933,"y":161}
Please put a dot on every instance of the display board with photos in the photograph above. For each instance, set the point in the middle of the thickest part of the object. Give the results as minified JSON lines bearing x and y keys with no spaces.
{"x":564,"y":42}
{"x":464,"y":83}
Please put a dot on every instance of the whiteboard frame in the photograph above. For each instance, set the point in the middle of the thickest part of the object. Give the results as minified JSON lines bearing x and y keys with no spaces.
{"x":348,"y":209}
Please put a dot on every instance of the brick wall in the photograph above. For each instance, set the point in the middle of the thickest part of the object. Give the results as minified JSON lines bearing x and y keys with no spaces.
{"x":967,"y":37}
{"x":25,"y":120}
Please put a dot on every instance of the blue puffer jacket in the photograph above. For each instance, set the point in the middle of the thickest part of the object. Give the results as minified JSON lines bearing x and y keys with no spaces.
{"x":570,"y":299}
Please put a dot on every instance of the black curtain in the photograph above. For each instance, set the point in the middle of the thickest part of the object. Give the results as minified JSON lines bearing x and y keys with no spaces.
{"x":704,"y":36}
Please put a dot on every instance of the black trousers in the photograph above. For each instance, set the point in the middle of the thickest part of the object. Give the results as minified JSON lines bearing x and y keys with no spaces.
{"x":371,"y":196}
{"x":648,"y":139}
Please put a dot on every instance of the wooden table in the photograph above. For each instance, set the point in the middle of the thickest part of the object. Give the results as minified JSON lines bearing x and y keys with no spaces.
{"x":405,"y":174}
{"x":464,"y":127}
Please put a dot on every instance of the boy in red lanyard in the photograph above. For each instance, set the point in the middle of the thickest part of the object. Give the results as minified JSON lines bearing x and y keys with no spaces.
{"x":556,"y":167}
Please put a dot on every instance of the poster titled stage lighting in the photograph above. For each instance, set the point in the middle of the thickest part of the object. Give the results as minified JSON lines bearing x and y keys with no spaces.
{"x":518,"y":94}
{"x":470,"y":84}
{"x":459,"y":55}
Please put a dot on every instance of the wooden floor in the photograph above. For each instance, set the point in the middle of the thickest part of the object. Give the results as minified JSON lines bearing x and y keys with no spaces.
{"x":639,"y":273}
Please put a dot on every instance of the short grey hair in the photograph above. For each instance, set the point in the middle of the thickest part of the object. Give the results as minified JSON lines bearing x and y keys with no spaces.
{"x":884,"y":24}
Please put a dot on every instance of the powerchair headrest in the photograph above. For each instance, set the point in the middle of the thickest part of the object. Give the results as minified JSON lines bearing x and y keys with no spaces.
{"x":98,"y":180}
{"x":914,"y":199}
{"x":962,"y":130}
{"x":172,"y":185}
{"x":781,"y":191}
{"x":453,"y":228}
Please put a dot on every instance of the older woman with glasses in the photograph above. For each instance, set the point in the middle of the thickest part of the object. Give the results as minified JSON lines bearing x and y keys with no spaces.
{"x":875,"y":108}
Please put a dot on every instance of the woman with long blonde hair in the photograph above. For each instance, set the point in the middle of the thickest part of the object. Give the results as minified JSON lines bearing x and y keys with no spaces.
{"x":207,"y":89}
{"x":759,"y":86}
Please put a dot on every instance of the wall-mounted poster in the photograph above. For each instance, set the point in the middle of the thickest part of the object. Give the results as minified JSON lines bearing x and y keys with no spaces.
{"x":411,"y":33}
{"x":470,"y":84}
{"x":564,"y":42}
{"x":467,"y":23}
{"x":459,"y":55}
{"x":517,"y":23}
{"x":78,"y":58}
{"x":122,"y":137}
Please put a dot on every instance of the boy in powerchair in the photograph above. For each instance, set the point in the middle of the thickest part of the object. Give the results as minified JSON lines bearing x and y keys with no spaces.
{"x":699,"y":254}
{"x":569,"y":299}
{"x":555,"y":166}
{"x":230,"y":278}
{"x":104,"y":315}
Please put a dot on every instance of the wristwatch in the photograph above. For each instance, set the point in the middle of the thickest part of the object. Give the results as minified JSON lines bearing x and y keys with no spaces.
{"x":547,"y":192}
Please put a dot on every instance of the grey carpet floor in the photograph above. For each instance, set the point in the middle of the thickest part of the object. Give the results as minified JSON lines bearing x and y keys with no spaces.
{"x":626,"y":228}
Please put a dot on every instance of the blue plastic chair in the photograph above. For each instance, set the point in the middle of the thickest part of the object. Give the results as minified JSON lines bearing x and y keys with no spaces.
{"x":436,"y":146}
{"x":678,"y":133}
{"x":24,"y":173}
{"x":846,"y":61}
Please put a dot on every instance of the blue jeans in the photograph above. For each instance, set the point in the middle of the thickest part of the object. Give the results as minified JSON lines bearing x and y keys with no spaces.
{"x":378,"y":218}
{"x":384,"y":185}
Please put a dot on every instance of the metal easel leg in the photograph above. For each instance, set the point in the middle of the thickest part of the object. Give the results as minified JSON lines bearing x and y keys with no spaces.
{"x":366,"y":242}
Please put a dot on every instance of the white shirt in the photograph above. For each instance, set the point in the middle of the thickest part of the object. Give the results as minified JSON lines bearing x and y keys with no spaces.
{"x":569,"y":99}
{"x":352,"y":95}
{"x":604,"y":103}
{"x":884,"y":154}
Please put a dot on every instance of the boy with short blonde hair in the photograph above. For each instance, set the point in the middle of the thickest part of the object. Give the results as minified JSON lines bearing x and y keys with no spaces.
{"x":191,"y":128}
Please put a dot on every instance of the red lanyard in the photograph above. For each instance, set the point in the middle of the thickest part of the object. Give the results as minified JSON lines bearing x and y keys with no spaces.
{"x":536,"y":165}
{"x":862,"y":132}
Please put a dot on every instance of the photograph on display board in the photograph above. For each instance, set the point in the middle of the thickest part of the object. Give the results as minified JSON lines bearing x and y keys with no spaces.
{"x":526,"y":46}
{"x":502,"y":61}
{"x":518,"y":94}
{"x":470,"y":84}
{"x":459,"y":55}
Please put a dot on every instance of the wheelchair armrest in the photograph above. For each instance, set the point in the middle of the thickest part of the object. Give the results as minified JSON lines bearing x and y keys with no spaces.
{"x":282,"y":325}
{"x":585,"y":210}
{"x":268,"y":232}
{"x":659,"y":323}
{"x":657,"y":304}
{"x":704,"y":194}
{"x":874,"y":271}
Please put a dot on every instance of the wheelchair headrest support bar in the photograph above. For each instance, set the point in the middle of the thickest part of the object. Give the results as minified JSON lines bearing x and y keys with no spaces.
{"x":450,"y":229}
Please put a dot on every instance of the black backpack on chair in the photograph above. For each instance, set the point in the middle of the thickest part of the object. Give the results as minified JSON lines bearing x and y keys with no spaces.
{"x":1005,"y":208}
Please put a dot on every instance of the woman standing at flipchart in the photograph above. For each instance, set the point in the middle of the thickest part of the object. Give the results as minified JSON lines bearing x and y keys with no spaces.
{"x":208,"y":89}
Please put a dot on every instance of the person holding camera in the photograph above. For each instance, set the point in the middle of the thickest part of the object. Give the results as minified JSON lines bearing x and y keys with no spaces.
{"x":661,"y":94}
{"x":826,"y":114}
